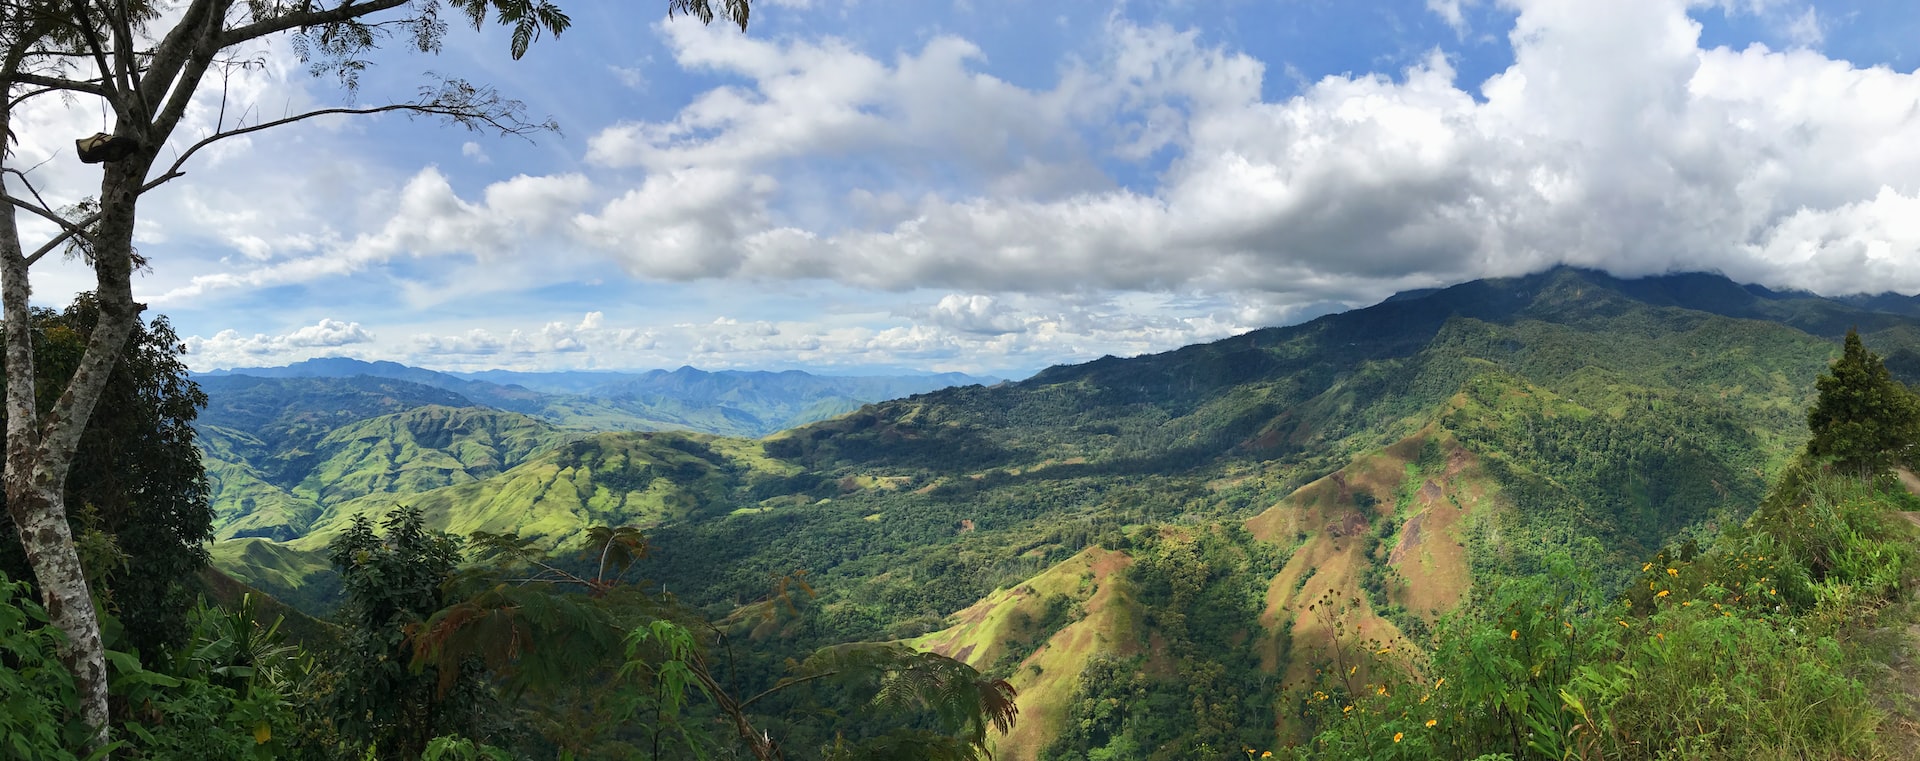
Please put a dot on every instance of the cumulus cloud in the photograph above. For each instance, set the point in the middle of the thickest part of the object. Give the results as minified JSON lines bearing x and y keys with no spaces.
{"x":556,"y":337}
{"x":1614,"y":140}
{"x":229,"y":348}
{"x":1156,"y":191}
{"x":429,"y":219}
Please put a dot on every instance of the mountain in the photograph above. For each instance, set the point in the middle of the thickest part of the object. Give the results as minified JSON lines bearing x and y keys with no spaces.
{"x":728,"y":402}
{"x":277,"y":490}
{"x":1388,"y":458}
{"x":1182,"y":531}
{"x":283,"y":445}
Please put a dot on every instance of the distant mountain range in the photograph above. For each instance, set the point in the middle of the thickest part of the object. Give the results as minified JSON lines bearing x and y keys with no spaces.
{"x":726,"y":402}
{"x":282,"y":445}
{"x":1182,"y":514}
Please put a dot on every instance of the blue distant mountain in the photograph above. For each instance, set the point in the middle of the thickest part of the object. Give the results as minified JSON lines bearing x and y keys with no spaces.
{"x":726,"y":402}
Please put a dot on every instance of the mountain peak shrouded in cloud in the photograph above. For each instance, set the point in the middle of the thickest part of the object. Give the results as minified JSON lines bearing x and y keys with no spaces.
{"x":935,"y":187}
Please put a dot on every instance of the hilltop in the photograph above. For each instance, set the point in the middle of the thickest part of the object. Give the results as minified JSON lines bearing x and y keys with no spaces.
{"x":1163,"y":523}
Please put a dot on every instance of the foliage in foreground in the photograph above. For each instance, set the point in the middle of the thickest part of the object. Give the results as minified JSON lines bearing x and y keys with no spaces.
{"x":1743,"y":649}
{"x":511,"y":657}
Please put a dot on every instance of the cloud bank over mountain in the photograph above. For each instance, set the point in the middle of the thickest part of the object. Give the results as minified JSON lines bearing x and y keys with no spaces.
{"x":837,"y":188}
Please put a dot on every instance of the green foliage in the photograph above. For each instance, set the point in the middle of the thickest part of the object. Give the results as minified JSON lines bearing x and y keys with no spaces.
{"x":136,"y":492}
{"x":1203,"y":592}
{"x":34,"y":686}
{"x":1737,"y":650}
{"x":1864,"y":421}
{"x":393,"y":583}
{"x":229,"y":694}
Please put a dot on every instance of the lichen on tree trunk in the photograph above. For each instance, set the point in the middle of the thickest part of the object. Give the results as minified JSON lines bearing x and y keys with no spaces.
{"x":41,"y":445}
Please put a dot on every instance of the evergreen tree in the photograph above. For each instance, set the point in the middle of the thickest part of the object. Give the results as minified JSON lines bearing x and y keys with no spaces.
{"x":1864,"y":421}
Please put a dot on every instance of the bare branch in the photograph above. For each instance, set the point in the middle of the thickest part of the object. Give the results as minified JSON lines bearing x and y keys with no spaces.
{"x":171,"y":54}
{"x":95,"y":87}
{"x":57,"y":240}
{"x":39,"y":209}
{"x":476,"y":108}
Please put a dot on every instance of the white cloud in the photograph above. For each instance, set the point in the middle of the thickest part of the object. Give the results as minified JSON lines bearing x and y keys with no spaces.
{"x":429,"y":219}
{"x":1452,"y":12}
{"x":1613,"y":141}
{"x":229,"y":348}
{"x":1807,"y":29}
{"x":1149,"y":194}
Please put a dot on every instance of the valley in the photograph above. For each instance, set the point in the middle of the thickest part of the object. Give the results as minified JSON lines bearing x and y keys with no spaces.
{"x":1199,"y":530}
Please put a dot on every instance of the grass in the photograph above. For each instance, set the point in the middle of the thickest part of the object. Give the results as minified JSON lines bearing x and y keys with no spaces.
{"x":1046,"y":679}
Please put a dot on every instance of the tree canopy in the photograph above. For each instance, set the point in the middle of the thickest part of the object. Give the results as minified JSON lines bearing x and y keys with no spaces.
{"x":1863,"y":421}
{"x":137,"y":480}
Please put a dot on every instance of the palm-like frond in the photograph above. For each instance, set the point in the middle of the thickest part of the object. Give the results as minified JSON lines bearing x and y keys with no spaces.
{"x":964,"y":701}
{"x":735,"y":11}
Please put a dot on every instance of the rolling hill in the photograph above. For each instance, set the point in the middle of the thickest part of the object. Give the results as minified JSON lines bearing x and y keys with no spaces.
{"x":1181,"y":531}
{"x":727,"y":402}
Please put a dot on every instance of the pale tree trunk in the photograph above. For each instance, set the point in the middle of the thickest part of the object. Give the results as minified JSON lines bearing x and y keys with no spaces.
{"x":148,"y":96}
{"x":40,"y":448}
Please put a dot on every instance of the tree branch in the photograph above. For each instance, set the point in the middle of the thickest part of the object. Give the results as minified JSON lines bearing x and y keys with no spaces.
{"x":346,"y":11}
{"x":171,"y":53}
{"x":785,"y":683}
{"x":506,"y":123}
{"x":40,"y":210}
{"x":84,"y":27}
{"x":49,"y":246}
{"x":55,"y":83}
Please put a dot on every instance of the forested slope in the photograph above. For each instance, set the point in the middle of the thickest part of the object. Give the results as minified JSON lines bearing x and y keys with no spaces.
{"x":1188,"y":532}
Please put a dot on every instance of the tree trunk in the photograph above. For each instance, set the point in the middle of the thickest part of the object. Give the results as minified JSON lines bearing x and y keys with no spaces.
{"x":40,"y":447}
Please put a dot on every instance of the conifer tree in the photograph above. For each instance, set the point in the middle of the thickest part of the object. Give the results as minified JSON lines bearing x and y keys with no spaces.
{"x":1864,"y":421}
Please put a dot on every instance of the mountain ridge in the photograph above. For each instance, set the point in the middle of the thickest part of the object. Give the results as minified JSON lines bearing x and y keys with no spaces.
{"x":1389,"y":458}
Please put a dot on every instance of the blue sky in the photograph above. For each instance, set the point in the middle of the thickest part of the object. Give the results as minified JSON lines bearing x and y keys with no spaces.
{"x":856,"y":185}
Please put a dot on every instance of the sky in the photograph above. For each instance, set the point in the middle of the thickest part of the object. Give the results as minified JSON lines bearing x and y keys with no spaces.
{"x":995,"y":186}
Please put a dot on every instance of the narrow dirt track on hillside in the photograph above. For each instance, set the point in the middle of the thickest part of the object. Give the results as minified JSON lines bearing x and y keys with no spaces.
{"x":1908,"y":479}
{"x":1902,"y":697}
{"x":1912,"y":482}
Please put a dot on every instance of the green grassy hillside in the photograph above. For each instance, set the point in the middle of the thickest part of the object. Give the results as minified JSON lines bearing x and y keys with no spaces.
{"x":420,"y":449}
{"x":1215,"y":500}
{"x":640,"y":479}
{"x":278,"y":490}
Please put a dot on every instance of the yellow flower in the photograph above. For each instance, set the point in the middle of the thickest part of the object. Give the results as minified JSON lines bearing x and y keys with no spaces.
{"x":1383,"y":651}
{"x":1514,"y":635}
{"x":1646,"y":568}
{"x":1348,"y":709}
{"x":1382,"y":689}
{"x":1431,"y":722}
{"x":1627,"y":625}
{"x":1398,"y":735}
{"x":1672,"y":572}
{"x":1351,"y":670}
{"x":1443,"y":680}
{"x":1663,"y":593}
